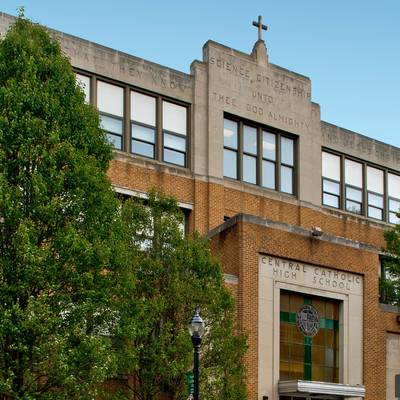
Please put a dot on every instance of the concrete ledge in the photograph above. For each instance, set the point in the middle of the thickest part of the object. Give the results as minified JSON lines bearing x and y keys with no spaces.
{"x":325,"y":237}
{"x":321,"y":388}
{"x":389,"y":308}
{"x":232,"y":279}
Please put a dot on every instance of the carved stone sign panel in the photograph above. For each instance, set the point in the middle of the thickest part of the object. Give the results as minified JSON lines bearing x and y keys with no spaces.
{"x":311,"y":276}
{"x":264,"y":93}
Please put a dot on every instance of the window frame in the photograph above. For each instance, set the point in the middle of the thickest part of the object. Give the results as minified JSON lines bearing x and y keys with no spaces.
{"x":391,"y":212}
{"x":365,"y":205}
{"x":86,"y":75}
{"x":121,"y":135}
{"x":163,"y":131}
{"x":127,"y":121}
{"x":94,"y":101}
{"x":259,"y":156}
{"x":338,"y":196}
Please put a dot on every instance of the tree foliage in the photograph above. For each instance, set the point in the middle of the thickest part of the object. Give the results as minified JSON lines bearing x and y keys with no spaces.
{"x":390,"y":283}
{"x":92,"y":289}
{"x":58,"y":226}
{"x":175,"y":275}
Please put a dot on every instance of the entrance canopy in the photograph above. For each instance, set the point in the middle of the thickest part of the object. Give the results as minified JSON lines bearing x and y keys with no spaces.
{"x":312,"y":388}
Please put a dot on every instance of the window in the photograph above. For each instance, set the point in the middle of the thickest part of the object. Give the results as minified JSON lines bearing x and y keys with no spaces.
{"x":143,"y":124}
{"x":375,"y":193}
{"x":84,"y":83}
{"x":174,"y":133}
{"x":259,"y":156}
{"x":330,"y":180}
{"x":287,"y":165}
{"x":147,"y":134}
{"x":230,"y":148}
{"x":309,"y":356}
{"x":249,"y":154}
{"x":110,"y":102}
{"x":394,"y":197}
{"x":368,"y":190}
{"x":269,"y":160}
{"x":353,"y":186}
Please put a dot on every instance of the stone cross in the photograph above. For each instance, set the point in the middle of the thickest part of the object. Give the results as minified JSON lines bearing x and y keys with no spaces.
{"x":260,"y":27}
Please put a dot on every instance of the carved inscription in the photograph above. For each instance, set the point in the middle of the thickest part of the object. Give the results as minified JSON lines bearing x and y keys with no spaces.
{"x":282,"y":87}
{"x":339,"y":137}
{"x":287,"y":120}
{"x":260,"y":111}
{"x":105,"y":60}
{"x":319,"y":277}
{"x":230,"y":101}
{"x":230,"y":67}
{"x":280,"y":83}
{"x":262,"y":97}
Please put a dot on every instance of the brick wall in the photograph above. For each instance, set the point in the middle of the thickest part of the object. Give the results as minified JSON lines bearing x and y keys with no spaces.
{"x":238,"y":248}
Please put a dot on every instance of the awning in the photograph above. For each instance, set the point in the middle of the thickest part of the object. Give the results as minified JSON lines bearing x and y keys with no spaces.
{"x":321,"y":388}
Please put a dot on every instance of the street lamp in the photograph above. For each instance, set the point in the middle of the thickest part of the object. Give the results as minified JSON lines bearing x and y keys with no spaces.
{"x":196,"y":330}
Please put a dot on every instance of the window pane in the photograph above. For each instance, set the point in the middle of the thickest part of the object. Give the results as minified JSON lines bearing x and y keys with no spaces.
{"x":250,"y":139}
{"x":331,"y":187}
{"x":353,"y":207}
{"x":230,"y":164}
{"x":375,"y":213}
{"x":143,"y":133}
{"x":249,"y":169}
{"x":375,"y":180}
{"x":115,"y":140}
{"x":174,"y":142}
{"x":268,"y":174}
{"x":375,"y":200}
{"x":394,"y":185}
{"x":286,"y":179}
{"x":353,"y":173}
{"x":230,"y":134}
{"x":394,"y":205}
{"x":269,"y":146}
{"x":174,"y":157}
{"x":287,"y":151}
{"x":174,"y":118}
{"x":143,"y":108}
{"x":143,"y":149}
{"x":84,"y":83}
{"x":393,"y":219}
{"x":354,"y":194}
{"x":111,"y":124}
{"x":330,"y":200}
{"x":110,"y":98}
{"x":331,"y":166}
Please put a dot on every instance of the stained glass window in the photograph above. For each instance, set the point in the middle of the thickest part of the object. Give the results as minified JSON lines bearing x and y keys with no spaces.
{"x":314,"y":358}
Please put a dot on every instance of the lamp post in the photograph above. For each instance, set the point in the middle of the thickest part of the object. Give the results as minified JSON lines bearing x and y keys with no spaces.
{"x":196,"y":330}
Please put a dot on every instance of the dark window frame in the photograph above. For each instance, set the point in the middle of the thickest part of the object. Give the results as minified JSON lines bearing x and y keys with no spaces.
{"x":110,"y":133}
{"x":338,"y":196}
{"x":127,"y":121}
{"x":347,"y":198}
{"x":371,"y":205}
{"x":259,"y":156}
{"x":390,"y":211}
{"x":364,"y":190}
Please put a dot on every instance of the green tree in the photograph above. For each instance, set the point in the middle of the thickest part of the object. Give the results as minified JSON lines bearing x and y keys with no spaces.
{"x":174,"y":276}
{"x":61,"y":253}
{"x":390,"y":282}
{"x":85,"y":295}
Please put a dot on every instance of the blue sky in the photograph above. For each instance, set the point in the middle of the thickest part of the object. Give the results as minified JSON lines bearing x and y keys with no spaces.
{"x":349,"y":48}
